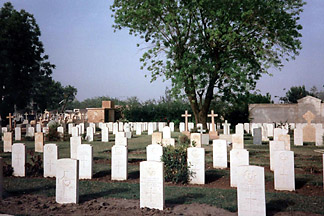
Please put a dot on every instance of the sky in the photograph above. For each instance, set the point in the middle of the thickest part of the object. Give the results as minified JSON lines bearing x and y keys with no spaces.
{"x":79,"y":39}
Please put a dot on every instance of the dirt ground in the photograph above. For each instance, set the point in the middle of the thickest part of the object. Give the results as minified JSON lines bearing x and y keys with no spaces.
{"x":41,"y":205}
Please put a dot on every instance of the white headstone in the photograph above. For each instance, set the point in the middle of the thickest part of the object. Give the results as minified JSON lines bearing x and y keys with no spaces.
{"x":319,"y":135}
{"x":171,"y":125}
{"x":39,"y":142}
{"x":226,"y":128}
{"x":115,"y":128}
{"x":60,"y":129}
{"x":219,"y":154}
{"x":75,"y":142}
{"x":120,"y":126}
{"x":7,"y":141}
{"x":284,"y":172}
{"x":182,"y":127}
{"x":50,"y":159}
{"x":195,"y":138}
{"x":85,"y":157}
{"x":239,"y":129}
{"x":75,"y":131}
{"x":121,"y":140}
{"x":157,"y":138}
{"x":38,"y":128}
{"x":286,"y":139}
{"x":238,"y":157}
{"x":18,"y":133}
{"x":18,"y":159}
{"x":191,"y":126}
{"x":298,"y":136}
{"x":89,"y":134}
{"x":275,"y":146}
{"x":67,"y":181}
{"x":81,"y":127}
{"x":70,"y":126}
{"x":150,"y":128}
{"x":196,"y":164}
{"x":205,"y":139}
{"x":166,"y":132}
{"x":104,"y":134}
{"x":119,"y":160}
{"x":93,"y":125}
{"x":247,"y":127}
{"x":30,"y":132}
{"x":251,"y":191}
{"x":139,"y":128}
{"x":270,"y":128}
{"x":154,"y":152}
{"x":151,"y":185}
{"x":237,"y":141}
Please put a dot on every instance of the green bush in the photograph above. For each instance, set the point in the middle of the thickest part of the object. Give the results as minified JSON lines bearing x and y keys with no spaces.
{"x":35,"y":167}
{"x":53,"y":135}
{"x":175,"y":164}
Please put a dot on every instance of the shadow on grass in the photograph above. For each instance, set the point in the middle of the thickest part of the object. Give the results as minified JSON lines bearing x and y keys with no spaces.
{"x":34,"y":190}
{"x":278,"y":205}
{"x":300,"y":182}
{"x":134,"y":160}
{"x":88,"y":197}
{"x":102,"y":173}
{"x":212,"y":175}
{"x":133,"y":175}
{"x":185,"y":198}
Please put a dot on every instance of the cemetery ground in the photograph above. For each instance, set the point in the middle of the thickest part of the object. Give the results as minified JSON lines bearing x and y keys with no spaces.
{"x":101,"y":195}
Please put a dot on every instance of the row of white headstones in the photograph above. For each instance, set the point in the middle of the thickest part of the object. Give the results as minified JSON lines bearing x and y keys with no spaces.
{"x":68,"y":171}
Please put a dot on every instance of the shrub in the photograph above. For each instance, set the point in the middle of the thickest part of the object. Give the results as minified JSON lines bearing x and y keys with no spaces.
{"x":7,"y":169}
{"x":35,"y":167}
{"x":175,"y":163}
{"x":53,"y":134}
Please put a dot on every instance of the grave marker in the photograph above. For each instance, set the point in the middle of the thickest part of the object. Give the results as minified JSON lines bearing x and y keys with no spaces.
{"x":219,"y":154}
{"x":18,"y":159}
{"x":151,"y":185}
{"x":119,"y":162}
{"x":104,"y":134}
{"x":195,"y":138}
{"x":39,"y":142}
{"x":251,"y":191}
{"x":186,"y":115}
{"x":257,"y":136}
{"x":85,"y":157}
{"x":157,"y":138}
{"x":50,"y":160}
{"x":238,"y":157}
{"x":7,"y":141}
{"x":75,"y":142}
{"x":67,"y":181}
{"x":196,"y":164}
{"x":17,"y":134}
{"x":284,"y":172}
{"x":154,"y":152}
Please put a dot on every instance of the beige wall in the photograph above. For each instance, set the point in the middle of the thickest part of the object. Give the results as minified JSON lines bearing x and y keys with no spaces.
{"x":291,"y":113}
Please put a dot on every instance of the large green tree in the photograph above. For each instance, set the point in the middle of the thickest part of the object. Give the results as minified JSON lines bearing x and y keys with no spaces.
{"x":212,"y":47}
{"x":25,"y":72}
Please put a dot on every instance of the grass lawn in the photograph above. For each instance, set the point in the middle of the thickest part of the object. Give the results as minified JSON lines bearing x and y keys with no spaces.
{"x":308,"y":197}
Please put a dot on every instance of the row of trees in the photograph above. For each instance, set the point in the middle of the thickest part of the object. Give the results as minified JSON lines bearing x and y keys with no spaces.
{"x":25,"y":71}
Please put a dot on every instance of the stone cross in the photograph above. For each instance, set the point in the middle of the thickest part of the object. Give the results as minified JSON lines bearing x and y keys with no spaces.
{"x":212,"y":115}
{"x":26,"y":115}
{"x":309,"y":117}
{"x":186,"y":115}
{"x":10,"y":117}
{"x":200,"y":130}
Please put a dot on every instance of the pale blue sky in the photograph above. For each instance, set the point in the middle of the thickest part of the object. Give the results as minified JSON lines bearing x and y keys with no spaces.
{"x":80,"y":41}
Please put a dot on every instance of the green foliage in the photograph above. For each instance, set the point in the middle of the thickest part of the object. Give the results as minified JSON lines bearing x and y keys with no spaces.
{"x":210,"y":47}
{"x":295,"y":93}
{"x":53,"y":134}
{"x":35,"y":167}
{"x":175,"y":164}
{"x":7,"y":169}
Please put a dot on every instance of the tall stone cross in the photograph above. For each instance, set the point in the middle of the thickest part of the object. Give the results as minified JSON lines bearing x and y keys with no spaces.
{"x":10,"y":117}
{"x":309,"y":117}
{"x":186,"y":115}
{"x":213,"y":115}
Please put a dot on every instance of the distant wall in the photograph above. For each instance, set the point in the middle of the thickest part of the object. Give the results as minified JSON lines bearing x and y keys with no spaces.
{"x":291,"y":113}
